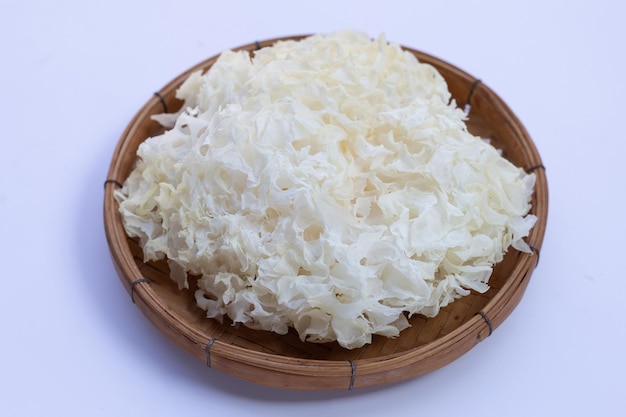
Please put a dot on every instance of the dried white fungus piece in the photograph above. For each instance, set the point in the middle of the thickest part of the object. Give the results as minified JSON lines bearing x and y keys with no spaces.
{"x":329,"y":185}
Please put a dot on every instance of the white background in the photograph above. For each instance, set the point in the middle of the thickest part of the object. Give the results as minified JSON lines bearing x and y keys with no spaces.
{"x":73,"y":73}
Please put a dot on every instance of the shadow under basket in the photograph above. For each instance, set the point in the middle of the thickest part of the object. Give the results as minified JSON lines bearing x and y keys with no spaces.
{"x":283,"y":360}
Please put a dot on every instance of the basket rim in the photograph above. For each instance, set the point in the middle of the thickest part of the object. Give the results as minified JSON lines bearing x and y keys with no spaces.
{"x":352,"y":373}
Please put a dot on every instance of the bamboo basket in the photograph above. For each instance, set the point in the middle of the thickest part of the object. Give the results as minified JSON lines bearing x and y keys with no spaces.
{"x":284,"y":361}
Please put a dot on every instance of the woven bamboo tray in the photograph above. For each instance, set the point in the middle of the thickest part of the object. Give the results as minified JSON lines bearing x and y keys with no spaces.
{"x":285,"y":361}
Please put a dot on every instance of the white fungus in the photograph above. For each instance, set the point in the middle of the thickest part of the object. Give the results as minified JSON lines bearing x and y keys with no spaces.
{"x":329,"y":185}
